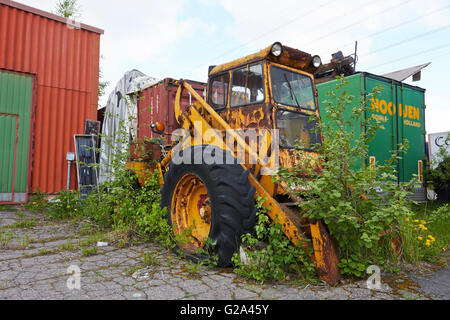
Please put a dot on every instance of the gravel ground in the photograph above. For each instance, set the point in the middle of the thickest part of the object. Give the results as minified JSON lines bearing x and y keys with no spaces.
{"x":36,"y":254}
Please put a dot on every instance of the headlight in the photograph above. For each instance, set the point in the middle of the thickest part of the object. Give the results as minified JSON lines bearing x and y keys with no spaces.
{"x":316,"y":61}
{"x":277,"y":49}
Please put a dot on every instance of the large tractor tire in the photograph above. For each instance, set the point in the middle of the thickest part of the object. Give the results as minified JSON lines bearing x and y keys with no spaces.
{"x":214,"y":201}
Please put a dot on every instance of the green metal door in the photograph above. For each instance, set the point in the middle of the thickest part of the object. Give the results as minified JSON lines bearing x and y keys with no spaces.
{"x":8,"y":149}
{"x":383,"y":108}
{"x":412,"y":128}
{"x":15,"y":119}
{"x":355,"y":88}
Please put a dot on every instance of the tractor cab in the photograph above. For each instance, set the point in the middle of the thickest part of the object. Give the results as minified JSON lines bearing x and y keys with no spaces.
{"x":273,"y":89}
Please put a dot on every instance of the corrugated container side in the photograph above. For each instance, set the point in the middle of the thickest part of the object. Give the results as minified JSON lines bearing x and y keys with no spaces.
{"x":383,"y":110}
{"x":157,"y":104}
{"x":403,"y":109}
{"x":355,"y":88}
{"x":412,"y":127}
{"x":66,"y":64}
{"x":400,"y":107}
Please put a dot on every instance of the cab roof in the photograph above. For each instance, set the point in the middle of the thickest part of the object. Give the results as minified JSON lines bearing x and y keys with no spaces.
{"x":290,"y":57}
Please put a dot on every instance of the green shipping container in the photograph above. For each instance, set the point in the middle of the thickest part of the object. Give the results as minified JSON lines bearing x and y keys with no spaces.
{"x":400,"y":107}
{"x":15,"y":121}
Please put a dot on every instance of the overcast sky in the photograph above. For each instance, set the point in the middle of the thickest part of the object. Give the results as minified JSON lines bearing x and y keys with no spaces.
{"x":181,"y":38}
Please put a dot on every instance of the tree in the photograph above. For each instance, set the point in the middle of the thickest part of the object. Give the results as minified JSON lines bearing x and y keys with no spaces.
{"x":68,"y":9}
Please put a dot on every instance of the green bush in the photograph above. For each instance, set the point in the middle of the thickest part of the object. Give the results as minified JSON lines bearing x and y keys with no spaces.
{"x":122,"y":206}
{"x":37,"y":202}
{"x":65,"y":205}
{"x":426,"y":235}
{"x":271,"y":255}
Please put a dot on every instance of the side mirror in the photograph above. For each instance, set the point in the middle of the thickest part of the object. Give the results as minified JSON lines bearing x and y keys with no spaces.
{"x":158,"y":128}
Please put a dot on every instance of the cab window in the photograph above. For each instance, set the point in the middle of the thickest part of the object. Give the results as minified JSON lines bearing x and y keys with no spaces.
{"x":218,"y":94}
{"x":296,"y":128}
{"x":247,"y":85}
{"x":292,"y":88}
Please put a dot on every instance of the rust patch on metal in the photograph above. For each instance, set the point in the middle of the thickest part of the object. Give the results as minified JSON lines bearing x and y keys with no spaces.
{"x":295,"y":58}
{"x":325,"y":253}
{"x":290,"y":57}
{"x":249,"y":117}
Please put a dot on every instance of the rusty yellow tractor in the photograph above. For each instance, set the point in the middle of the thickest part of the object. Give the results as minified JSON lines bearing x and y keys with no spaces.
{"x":226,"y":150}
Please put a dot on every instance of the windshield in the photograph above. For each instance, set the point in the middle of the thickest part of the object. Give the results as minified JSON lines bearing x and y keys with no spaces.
{"x":292,"y":88}
{"x":296,"y":129}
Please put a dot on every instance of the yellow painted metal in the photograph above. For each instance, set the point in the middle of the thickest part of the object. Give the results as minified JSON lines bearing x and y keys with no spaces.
{"x":277,"y":214}
{"x":142,"y":170}
{"x":318,"y":244}
{"x":191,"y":212}
{"x":161,"y":174}
{"x":325,"y":253}
{"x":178,"y":104}
{"x":164,"y":164}
{"x":203,"y":130}
{"x":242,"y":61}
{"x":291,"y":69}
{"x":223,"y":124}
{"x":290,"y":57}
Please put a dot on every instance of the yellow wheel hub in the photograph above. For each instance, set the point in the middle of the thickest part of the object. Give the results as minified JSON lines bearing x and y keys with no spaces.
{"x":191,"y":212}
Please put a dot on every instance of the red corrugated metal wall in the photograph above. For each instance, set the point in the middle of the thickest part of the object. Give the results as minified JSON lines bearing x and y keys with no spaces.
{"x":66,"y":64}
{"x":157,"y":104}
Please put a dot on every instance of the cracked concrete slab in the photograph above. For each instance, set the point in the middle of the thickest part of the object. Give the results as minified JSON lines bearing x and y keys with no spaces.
{"x":35,"y":257}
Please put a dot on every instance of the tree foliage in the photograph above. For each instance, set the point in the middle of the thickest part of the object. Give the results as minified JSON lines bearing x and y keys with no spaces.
{"x":68,"y":9}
